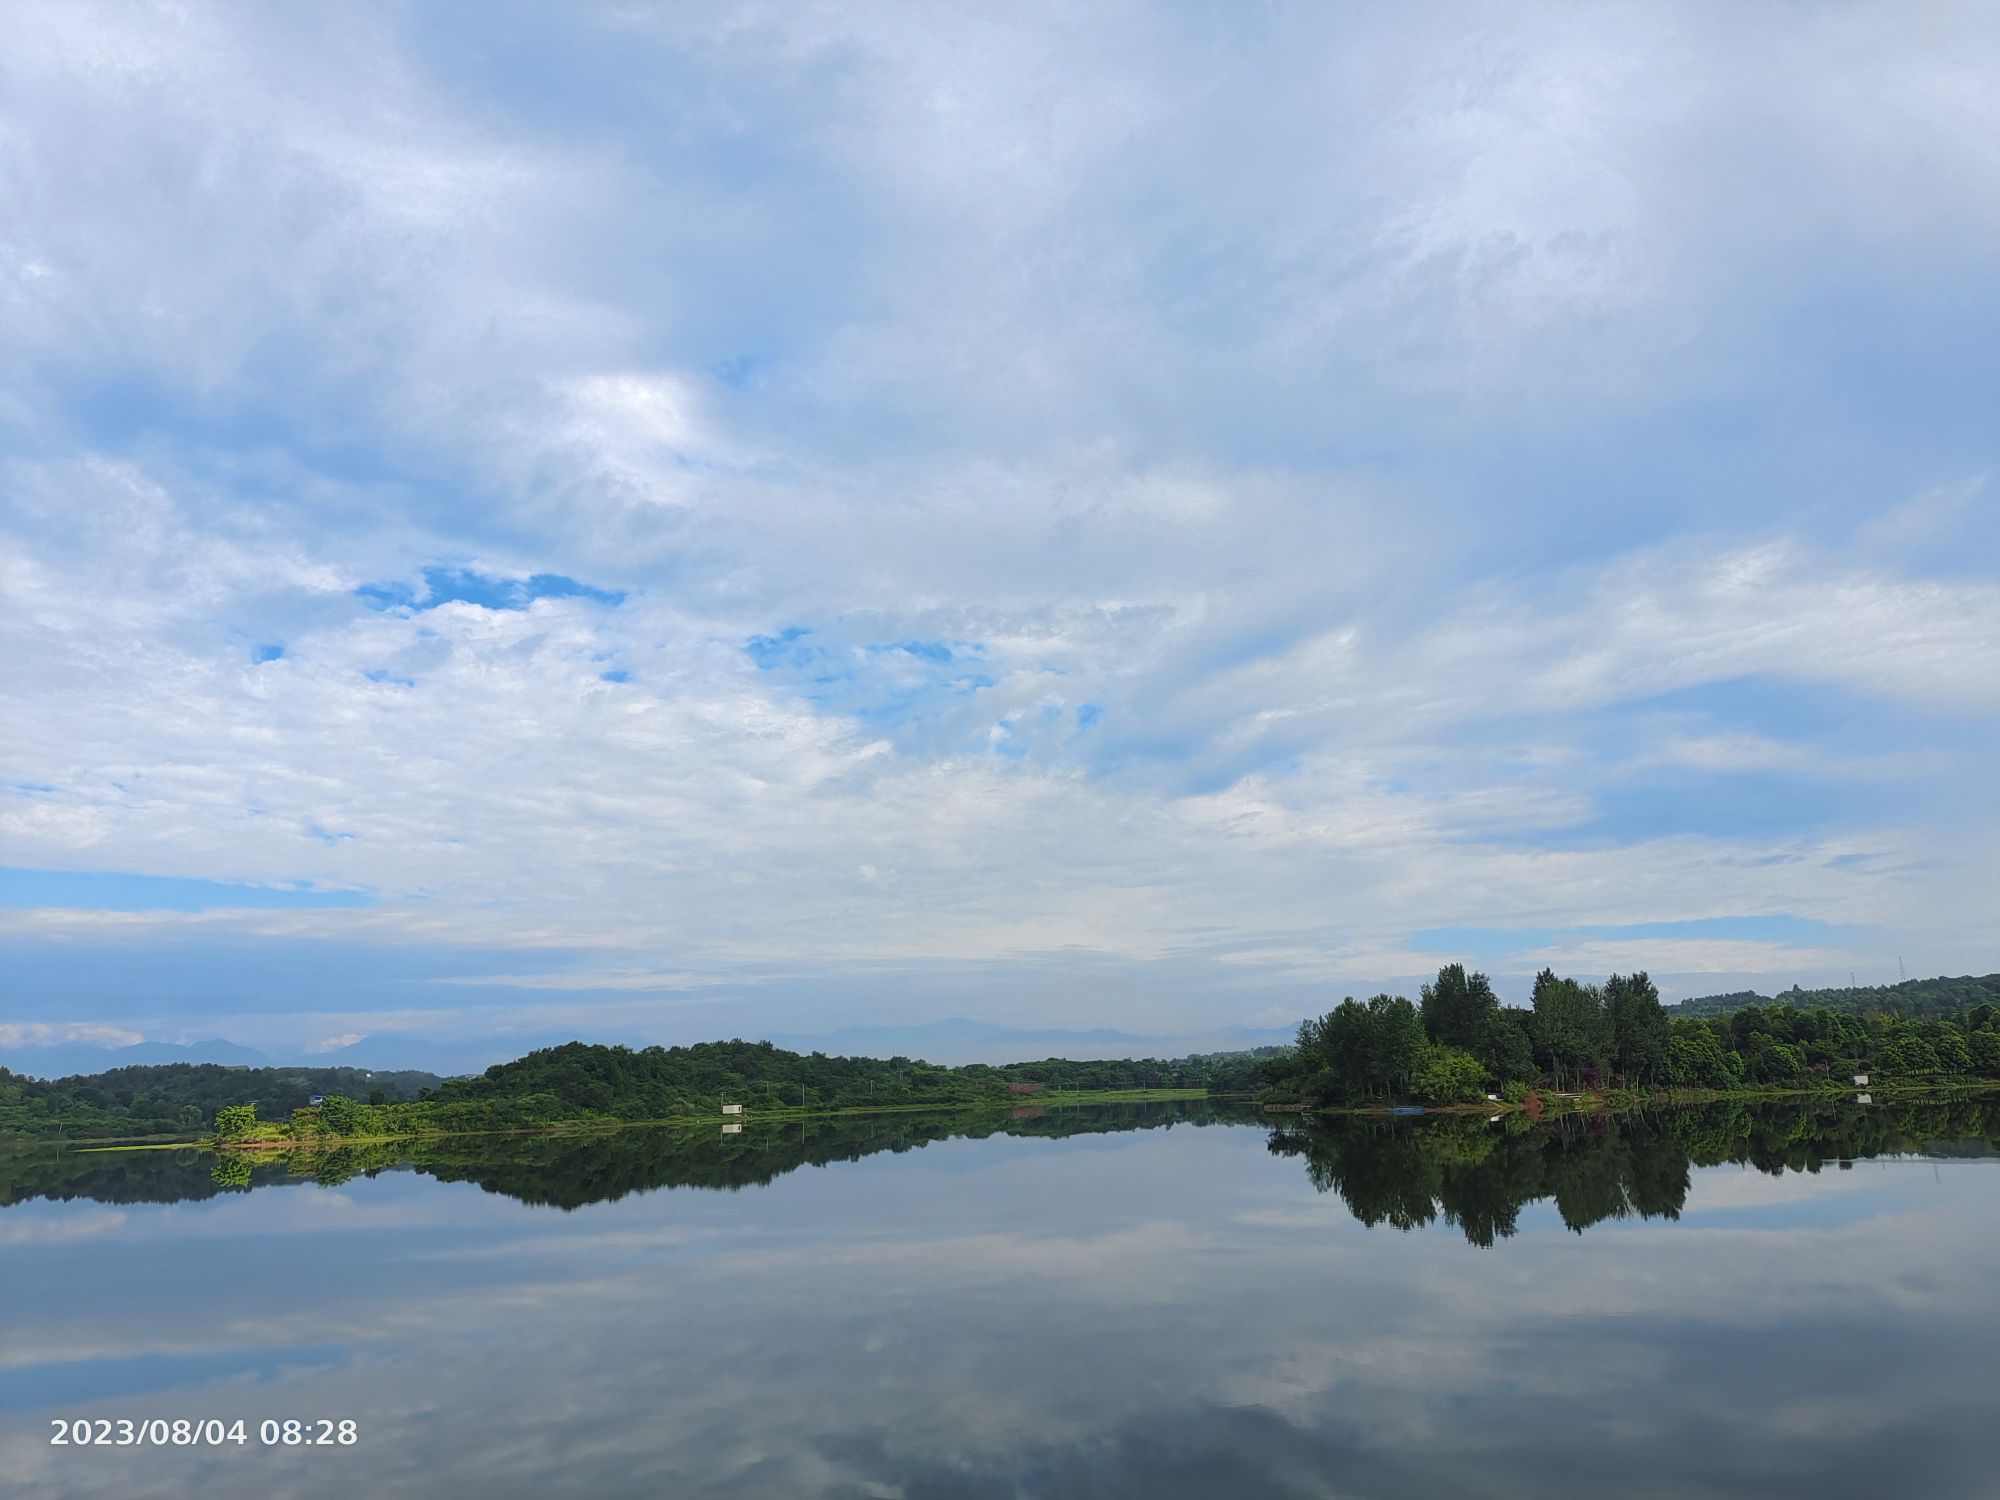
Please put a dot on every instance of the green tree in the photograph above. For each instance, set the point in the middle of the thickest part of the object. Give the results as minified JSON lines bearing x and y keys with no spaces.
{"x":1362,"y":1050}
{"x":1949,"y":1043}
{"x":1457,"y":1008}
{"x":341,"y":1115}
{"x":1637,"y":1026}
{"x":1907,"y":1052}
{"x":1569,"y":1026}
{"x":1695,"y":1058}
{"x":236,"y":1122}
{"x":1342,"y":1042}
{"x":1506,"y":1047}
{"x":1398,"y":1043}
{"x":1985,"y":1048}
{"x":1450,"y":1075}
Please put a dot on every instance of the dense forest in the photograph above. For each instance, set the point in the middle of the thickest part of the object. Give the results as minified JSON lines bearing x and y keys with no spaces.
{"x":182,"y":1098}
{"x":1944,"y":996}
{"x":1459,"y":1043}
{"x":576,"y":1082}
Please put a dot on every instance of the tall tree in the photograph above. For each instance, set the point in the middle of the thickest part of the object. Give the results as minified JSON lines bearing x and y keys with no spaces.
{"x":1639,"y":1034}
{"x":1507,"y":1048}
{"x":1456,"y":1008}
{"x":1397,"y":1042}
{"x":1569,"y":1026}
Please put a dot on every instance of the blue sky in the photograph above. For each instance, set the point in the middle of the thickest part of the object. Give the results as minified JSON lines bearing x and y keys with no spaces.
{"x":781,"y":517}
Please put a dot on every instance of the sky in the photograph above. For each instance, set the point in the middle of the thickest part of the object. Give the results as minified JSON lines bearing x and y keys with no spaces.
{"x":677,"y":522}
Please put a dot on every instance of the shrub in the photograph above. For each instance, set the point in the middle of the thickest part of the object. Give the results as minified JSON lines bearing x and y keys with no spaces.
{"x":1449,"y":1075}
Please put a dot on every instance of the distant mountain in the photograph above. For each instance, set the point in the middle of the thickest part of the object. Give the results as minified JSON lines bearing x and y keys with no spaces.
{"x":66,"y":1059}
{"x":950,"y":1042}
{"x":959,"y":1041}
{"x":451,"y":1056}
{"x":1942,"y":996}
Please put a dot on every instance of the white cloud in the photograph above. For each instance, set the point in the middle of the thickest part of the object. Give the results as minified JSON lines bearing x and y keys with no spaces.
{"x":1248,"y":398}
{"x":42,"y":1034}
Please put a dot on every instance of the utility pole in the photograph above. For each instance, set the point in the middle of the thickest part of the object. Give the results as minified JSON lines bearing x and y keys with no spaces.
{"x":1902,"y":977}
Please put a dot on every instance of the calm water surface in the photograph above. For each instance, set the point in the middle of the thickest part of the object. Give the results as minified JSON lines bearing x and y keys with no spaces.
{"x":1158,"y":1301}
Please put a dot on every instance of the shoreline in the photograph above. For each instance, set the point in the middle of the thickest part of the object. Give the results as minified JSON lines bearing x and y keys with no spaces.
{"x":1551,"y":1104}
{"x":319,"y":1140}
{"x":1620,"y":1100}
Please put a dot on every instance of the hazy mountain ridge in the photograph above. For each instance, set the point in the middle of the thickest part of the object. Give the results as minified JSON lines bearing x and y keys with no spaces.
{"x":955,"y":1041}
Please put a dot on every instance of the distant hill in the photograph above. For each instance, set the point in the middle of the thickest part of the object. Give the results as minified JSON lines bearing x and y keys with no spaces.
{"x":577,"y":1080}
{"x":666,"y":1082}
{"x":1943,"y":996}
{"x":951,"y":1042}
{"x":958,"y":1041}
{"x":451,"y":1057}
{"x":66,"y":1059}
{"x":165,"y":1098}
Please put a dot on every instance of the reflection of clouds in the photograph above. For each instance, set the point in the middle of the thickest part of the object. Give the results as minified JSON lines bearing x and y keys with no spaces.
{"x":1182,"y":1317}
{"x":582,"y":1239}
{"x":61,"y":1231}
{"x":1735,"y":1187}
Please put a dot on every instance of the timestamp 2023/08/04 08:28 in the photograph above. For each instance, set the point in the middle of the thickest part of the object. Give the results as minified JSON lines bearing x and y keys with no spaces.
{"x":212,"y":1432}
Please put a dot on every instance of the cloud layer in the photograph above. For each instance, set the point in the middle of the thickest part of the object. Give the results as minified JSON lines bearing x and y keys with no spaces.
{"x":1164,"y":508}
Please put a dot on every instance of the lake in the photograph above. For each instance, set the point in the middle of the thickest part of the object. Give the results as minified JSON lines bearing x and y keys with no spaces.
{"x":1161,"y":1300}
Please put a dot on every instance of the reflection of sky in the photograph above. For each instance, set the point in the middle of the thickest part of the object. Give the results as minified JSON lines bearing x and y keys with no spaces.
{"x":1148,"y":1314}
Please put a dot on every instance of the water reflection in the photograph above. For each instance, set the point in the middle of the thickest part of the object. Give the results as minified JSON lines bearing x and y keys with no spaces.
{"x":1474,"y":1174}
{"x":1479,"y":1175}
{"x":1061,"y":1304}
{"x":573,"y":1171}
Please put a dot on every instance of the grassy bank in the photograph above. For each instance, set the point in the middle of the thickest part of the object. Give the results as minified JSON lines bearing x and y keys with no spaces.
{"x":279,"y":1136}
{"x":1543,"y":1102}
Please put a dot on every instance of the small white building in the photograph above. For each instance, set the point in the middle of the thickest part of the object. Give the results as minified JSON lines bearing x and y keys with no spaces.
{"x":1861,"y":1080}
{"x":732,"y":1129}
{"x":732,"y":1109}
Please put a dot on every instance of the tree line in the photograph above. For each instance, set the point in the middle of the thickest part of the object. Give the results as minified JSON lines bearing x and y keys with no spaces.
{"x":1458,"y":1043}
{"x":182,"y":1098}
{"x":576,"y":1082}
{"x":1943,"y":996}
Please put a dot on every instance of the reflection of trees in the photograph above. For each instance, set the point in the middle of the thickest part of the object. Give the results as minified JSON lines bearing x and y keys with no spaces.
{"x":567,"y":1171}
{"x":1598,"y":1167}
{"x":111,"y":1176}
{"x":1405,"y":1173}
{"x":570,"y":1171}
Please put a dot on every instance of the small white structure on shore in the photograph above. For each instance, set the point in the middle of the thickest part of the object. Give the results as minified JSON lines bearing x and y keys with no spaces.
{"x":1861,"y":1080}
{"x":732,"y":1109}
{"x":1864,"y":1098}
{"x":732,"y":1129}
